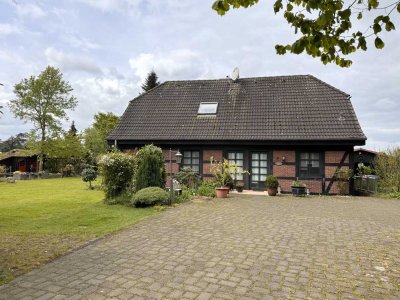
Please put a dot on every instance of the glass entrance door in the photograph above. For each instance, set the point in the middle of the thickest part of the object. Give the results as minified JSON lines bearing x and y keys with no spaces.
{"x":259,"y":170}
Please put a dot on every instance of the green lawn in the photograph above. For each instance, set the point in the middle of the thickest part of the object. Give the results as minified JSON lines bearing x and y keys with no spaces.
{"x":43,"y":219}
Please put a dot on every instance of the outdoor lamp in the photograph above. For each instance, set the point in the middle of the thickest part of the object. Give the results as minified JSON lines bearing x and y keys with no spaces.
{"x":178,"y":156}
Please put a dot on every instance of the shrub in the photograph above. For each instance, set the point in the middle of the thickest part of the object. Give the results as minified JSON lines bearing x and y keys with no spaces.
{"x":118,"y":170}
{"x":387,"y":167}
{"x":187,"y":194}
{"x":188,"y":178}
{"x":271,"y":182}
{"x":3,"y":169}
{"x":207,"y":189}
{"x":298,"y":184}
{"x":89,"y":174}
{"x":150,"y":196}
{"x":151,"y":168}
{"x":68,"y":170}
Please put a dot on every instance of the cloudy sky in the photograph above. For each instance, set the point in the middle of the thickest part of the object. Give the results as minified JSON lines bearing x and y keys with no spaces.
{"x":105,"y":48}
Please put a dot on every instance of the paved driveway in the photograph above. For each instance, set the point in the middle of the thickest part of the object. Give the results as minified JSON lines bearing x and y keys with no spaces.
{"x":250,"y":247}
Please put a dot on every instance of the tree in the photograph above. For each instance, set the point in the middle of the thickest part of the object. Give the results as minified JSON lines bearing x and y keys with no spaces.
{"x":96,"y":135}
{"x":43,"y":100}
{"x":150,"y":82}
{"x":1,"y":107}
{"x":326,"y":26}
{"x":72,"y":130}
{"x":151,"y":168}
{"x":14,"y":142}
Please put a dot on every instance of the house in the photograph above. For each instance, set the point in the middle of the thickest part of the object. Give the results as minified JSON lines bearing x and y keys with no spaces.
{"x":294,"y":127}
{"x":19,"y":160}
{"x":365,"y":157}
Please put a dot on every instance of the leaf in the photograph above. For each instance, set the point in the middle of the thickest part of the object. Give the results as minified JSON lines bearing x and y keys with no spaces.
{"x":377,"y":28}
{"x":373,"y":4}
{"x":278,"y":6}
{"x":389,"y":26}
{"x":289,"y":7}
{"x":359,"y":16}
{"x":398,"y":7}
{"x":379,"y":44}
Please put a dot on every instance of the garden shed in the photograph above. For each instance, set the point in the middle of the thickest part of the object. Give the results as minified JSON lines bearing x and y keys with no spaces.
{"x":19,"y":160}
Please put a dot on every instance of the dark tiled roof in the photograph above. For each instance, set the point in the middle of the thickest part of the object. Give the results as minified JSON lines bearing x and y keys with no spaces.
{"x":281,"y":108}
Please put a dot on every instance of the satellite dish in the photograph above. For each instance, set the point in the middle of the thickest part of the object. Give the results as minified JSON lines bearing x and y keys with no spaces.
{"x":235,"y":74}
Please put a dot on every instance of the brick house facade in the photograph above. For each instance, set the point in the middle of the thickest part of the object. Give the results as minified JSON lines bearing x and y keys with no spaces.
{"x":292,"y":127}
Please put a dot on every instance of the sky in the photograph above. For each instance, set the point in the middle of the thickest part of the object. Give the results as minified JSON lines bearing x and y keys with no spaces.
{"x":105,"y":49}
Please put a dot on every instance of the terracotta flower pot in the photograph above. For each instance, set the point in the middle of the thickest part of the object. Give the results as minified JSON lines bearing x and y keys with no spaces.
{"x":272,"y":191}
{"x":221,"y":192}
{"x":227,"y":188}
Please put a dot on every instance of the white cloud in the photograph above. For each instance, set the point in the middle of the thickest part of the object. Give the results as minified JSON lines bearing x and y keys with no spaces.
{"x":176,"y":64}
{"x":6,"y":29}
{"x":71,"y":62}
{"x":29,"y":10}
{"x":80,"y":42}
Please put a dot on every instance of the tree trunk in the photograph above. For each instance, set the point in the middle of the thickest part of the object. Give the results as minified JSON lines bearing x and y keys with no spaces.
{"x":41,"y":154}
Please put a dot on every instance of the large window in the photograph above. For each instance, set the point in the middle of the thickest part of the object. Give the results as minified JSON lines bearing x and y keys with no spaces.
{"x":191,"y":159}
{"x":236,"y":158}
{"x":310,"y":164}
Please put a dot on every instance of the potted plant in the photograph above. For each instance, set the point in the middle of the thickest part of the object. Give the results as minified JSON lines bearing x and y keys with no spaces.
{"x":239,"y":187}
{"x":271,"y":183}
{"x":342,"y":178}
{"x":298,"y":188}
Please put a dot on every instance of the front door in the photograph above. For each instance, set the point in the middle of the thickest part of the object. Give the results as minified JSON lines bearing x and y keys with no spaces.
{"x":258,"y":170}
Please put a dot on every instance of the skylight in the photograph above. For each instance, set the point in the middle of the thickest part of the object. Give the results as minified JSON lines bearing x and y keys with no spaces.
{"x":208,"y":108}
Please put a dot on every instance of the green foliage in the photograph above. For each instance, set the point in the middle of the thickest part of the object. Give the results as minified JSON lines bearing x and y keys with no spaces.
{"x":343,"y":174}
{"x":387,"y":167}
{"x":3,"y":169}
{"x":297,"y":183}
{"x":151,"y":168}
{"x":96,"y":135}
{"x":43,"y":100}
{"x":151,"y":81}
{"x":188,"y":178}
{"x":117,"y":170}
{"x":89,"y":174}
{"x":271,"y":182}
{"x":14,"y":142}
{"x":187,"y":194}
{"x":207,"y":188}
{"x":325,"y":27}
{"x":392,"y":195}
{"x":150,"y":196}
{"x":364,"y":170}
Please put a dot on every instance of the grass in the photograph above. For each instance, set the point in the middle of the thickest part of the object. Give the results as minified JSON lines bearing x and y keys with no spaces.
{"x":43,"y":219}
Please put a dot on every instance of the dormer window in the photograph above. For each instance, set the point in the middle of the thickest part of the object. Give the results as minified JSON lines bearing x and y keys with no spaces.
{"x":208,"y":108}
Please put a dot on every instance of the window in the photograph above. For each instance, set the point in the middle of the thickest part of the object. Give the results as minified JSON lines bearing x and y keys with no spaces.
{"x":310,"y":164}
{"x":191,"y":159}
{"x":208,"y":108}
{"x":236,"y":158}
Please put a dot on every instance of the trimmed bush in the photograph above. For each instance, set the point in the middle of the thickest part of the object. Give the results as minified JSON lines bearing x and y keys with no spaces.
{"x":150,"y":196}
{"x":151,"y":168}
{"x":89,"y":174}
{"x":118,"y":170}
{"x":271,"y":182}
{"x":207,"y":189}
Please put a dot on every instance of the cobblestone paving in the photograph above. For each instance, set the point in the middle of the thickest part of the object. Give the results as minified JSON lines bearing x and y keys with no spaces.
{"x":244,"y":247}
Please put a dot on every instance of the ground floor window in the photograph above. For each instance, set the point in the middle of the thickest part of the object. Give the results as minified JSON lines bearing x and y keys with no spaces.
{"x":191,"y":159}
{"x":236,"y":158}
{"x":310,"y":164}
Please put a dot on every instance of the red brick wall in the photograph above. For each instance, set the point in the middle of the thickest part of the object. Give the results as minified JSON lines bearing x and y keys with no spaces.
{"x":335,"y":157}
{"x":289,"y":155}
{"x":284,"y":171}
{"x":216,"y":154}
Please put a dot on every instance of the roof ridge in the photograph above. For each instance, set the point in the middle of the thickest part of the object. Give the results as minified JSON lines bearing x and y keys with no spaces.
{"x":230,"y":79}
{"x":327,"y":84}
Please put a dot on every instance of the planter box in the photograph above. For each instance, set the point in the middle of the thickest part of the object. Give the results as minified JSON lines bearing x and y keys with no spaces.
{"x":298,"y":191}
